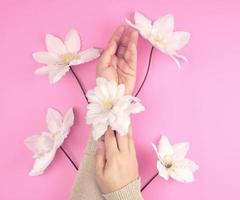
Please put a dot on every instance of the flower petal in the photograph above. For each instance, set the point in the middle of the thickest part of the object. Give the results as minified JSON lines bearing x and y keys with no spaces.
{"x":45,"y":58}
{"x":54,"y":45}
{"x":68,"y":119}
{"x":98,"y":130}
{"x":43,"y":70}
{"x":39,"y":144}
{"x":189,"y":164}
{"x":180,"y":56}
{"x":179,"y":39}
{"x":86,"y":56}
{"x":72,"y":41}
{"x":182,"y":175}
{"x":109,"y":106}
{"x":163,"y":26}
{"x":42,"y":163}
{"x":54,"y":120}
{"x":135,"y":107}
{"x":144,"y":24}
{"x":57,"y":74}
{"x":156,"y":150}
{"x":131,"y":24}
{"x":121,"y":124}
{"x":164,"y":148}
{"x":176,"y":61}
{"x":162,"y":171}
{"x":180,"y":150}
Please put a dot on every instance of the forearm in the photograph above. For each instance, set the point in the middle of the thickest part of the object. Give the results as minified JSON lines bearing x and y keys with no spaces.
{"x":85,"y":186}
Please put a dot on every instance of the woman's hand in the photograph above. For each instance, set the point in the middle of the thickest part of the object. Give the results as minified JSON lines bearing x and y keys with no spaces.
{"x":119,"y":60}
{"x":116,"y":163}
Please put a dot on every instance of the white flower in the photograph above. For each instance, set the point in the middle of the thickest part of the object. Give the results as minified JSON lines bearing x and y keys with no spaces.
{"x":161,"y":35}
{"x":109,"y":106}
{"x":45,"y":145}
{"x":61,"y":55}
{"x":172,"y":162}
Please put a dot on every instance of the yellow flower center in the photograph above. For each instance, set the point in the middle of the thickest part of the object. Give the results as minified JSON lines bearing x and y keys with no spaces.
{"x":168,"y":165}
{"x":67,"y":57}
{"x":168,"y":162}
{"x":161,"y":42}
{"x":108,"y":104}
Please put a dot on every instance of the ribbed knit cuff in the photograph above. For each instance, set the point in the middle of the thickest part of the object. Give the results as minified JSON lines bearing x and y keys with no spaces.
{"x":129,"y":192}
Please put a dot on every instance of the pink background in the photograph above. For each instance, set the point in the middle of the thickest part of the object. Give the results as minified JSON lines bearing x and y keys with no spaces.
{"x":199,"y":103}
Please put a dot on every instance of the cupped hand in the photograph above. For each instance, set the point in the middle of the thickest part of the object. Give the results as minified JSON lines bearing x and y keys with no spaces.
{"x":119,"y":60}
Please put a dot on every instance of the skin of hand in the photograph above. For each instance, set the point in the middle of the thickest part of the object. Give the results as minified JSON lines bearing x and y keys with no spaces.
{"x":116,"y":163}
{"x":119,"y":60}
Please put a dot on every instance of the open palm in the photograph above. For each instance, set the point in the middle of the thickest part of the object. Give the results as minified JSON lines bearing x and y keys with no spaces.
{"x":119,"y":60}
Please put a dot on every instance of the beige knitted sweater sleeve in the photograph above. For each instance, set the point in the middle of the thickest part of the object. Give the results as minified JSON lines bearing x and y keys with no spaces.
{"x":85,"y":186}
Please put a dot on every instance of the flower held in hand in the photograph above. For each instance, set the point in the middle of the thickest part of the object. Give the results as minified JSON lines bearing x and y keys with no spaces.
{"x":109,"y":106}
{"x":161,"y":35}
{"x":62,"y":55}
{"x":172,"y":162}
{"x":45,"y":145}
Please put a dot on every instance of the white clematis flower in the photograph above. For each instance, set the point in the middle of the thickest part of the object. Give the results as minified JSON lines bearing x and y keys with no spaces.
{"x":109,"y":106}
{"x":61,"y":55}
{"x":45,"y":145}
{"x":161,"y":35}
{"x":172,"y":162}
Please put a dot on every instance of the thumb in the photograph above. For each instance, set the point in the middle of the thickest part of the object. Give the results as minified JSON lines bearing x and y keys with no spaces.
{"x":100,"y":159}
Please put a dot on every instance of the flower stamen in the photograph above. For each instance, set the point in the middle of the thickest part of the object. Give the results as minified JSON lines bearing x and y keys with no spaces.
{"x":108,"y":105}
{"x":67,"y":57}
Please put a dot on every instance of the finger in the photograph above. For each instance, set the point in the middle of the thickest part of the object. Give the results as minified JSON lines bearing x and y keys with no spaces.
{"x":123,"y":43}
{"x":100,"y":159}
{"x":112,"y":47}
{"x":131,"y":145}
{"x":131,"y":52}
{"x":110,"y":142}
{"x":123,"y":143}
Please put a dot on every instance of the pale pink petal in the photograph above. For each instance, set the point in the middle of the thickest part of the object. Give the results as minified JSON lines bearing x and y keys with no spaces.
{"x":131,"y":24}
{"x":121,"y":123}
{"x":42,"y":163}
{"x":163,"y":26}
{"x":182,"y":175}
{"x":162,"y":171}
{"x":68,"y":119}
{"x":180,"y":150}
{"x":99,"y":130}
{"x":86,"y":56}
{"x":72,"y":41}
{"x":164,"y":148}
{"x":45,"y":58}
{"x":56,"y":75}
{"x":156,"y":150}
{"x":39,"y":144}
{"x":54,"y":45}
{"x":54,"y":120}
{"x":176,"y":61}
{"x":101,"y":80}
{"x":120,"y":90}
{"x":189,"y":164}
{"x":143,"y":24}
{"x":135,"y":107}
{"x":178,"y":40}
{"x":180,"y":56}
{"x":43,"y":70}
